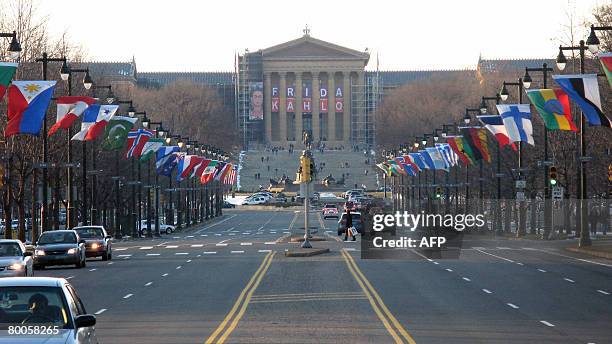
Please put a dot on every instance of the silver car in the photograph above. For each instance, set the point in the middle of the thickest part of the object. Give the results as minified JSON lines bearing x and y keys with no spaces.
{"x":14,"y":259}
{"x":43,"y":310}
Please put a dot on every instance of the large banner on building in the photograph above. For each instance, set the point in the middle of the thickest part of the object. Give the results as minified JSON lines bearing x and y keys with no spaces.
{"x":290,"y":104}
{"x":339,"y":105}
{"x":256,"y":104}
{"x":323,"y":101}
{"x":275,"y":99}
{"x":307,"y":96}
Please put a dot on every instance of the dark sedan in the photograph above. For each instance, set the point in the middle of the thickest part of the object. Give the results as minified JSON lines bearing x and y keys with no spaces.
{"x":63,"y":247}
{"x":97,"y":241}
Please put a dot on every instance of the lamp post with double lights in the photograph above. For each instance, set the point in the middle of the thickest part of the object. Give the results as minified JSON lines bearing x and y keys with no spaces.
{"x":66,"y":74}
{"x":467,"y":118}
{"x":14,"y":48}
{"x":45,"y":59}
{"x":160,"y":132}
{"x":498,"y":174}
{"x":444,"y":132}
{"x":521,"y":230}
{"x":527,"y":81}
{"x":135,"y":182}
{"x":592,"y":41}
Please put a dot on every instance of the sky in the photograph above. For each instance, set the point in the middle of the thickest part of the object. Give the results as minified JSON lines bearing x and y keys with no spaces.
{"x":203,"y":35}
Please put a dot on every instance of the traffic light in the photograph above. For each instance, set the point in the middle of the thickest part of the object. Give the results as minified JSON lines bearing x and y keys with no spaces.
{"x":313,"y":170}
{"x":438,"y":192}
{"x":305,"y":163}
{"x":552,"y":175}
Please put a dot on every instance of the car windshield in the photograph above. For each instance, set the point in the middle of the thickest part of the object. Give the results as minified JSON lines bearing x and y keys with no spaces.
{"x":90,"y":232}
{"x":10,"y":249}
{"x":330,"y":206}
{"x":33,"y":305}
{"x":57,"y":238}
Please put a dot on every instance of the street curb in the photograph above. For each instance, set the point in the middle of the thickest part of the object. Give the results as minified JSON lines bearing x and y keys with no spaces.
{"x":593,"y":253}
{"x":305,"y":252}
{"x":301,"y":239}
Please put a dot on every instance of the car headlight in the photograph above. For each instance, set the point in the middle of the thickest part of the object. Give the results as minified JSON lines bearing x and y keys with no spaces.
{"x":95,"y":245}
{"x":15,"y":266}
{"x":39,"y":252}
{"x":71,"y":251}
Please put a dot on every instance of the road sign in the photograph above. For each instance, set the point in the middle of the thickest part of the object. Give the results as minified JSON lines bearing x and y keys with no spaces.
{"x":521,"y":184}
{"x":557,"y":193}
{"x":520,"y":196}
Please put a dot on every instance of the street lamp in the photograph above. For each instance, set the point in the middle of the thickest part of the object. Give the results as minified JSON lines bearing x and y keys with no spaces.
{"x":592,"y":41}
{"x":499,"y":175}
{"x":504,"y":93}
{"x":160,"y":134}
{"x":14,"y":47}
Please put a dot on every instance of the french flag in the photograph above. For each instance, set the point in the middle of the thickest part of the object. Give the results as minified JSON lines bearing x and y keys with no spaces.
{"x":95,"y":119}
{"x":27,"y":106}
{"x":495,"y":124}
{"x":69,"y":108}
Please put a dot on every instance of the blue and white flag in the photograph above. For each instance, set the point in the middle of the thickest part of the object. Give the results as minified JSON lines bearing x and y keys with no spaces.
{"x":427,"y":159}
{"x":447,"y":153}
{"x":584,"y":90}
{"x":437,"y":158}
{"x":517,"y":120}
{"x":163,"y":154}
{"x":417,"y":159}
{"x":168,"y":163}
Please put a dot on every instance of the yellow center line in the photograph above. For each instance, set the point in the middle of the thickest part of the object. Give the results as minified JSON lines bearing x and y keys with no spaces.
{"x":395,"y":322}
{"x":245,"y":304}
{"x":212,"y":337}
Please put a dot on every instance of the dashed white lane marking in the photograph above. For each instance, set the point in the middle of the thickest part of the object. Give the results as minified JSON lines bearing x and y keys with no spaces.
{"x":487,"y":291}
{"x":220,"y":244}
{"x":153,"y":254}
{"x":429,"y":260}
{"x":146,"y":248}
{"x":449,"y":270}
{"x":93,"y":269}
{"x":197,"y":245}
{"x":246,"y":233}
{"x":232,"y":234}
{"x":541,"y":270}
{"x":164,"y":275}
{"x":69,"y":277}
{"x":349,"y":249}
{"x":246,"y":244}
{"x":264,"y":251}
{"x":503,"y":248}
{"x":520,"y":264}
{"x":286,"y":232}
{"x":172,"y":246}
{"x":512,"y":305}
{"x":272,"y":232}
{"x":478,"y":248}
{"x":120,"y":249}
{"x":100,"y":311}
{"x":603,"y":292}
{"x":110,"y":263}
{"x":148,"y":284}
{"x":209,"y":252}
{"x":128,"y":296}
{"x":124,"y":255}
{"x":188,"y":261}
{"x":218,"y":234}
{"x":128,"y":257}
{"x":181,"y":253}
{"x":236,"y":251}
{"x":467,"y":279}
{"x":569,"y":280}
{"x":178,"y":267}
{"x":203,"y":235}
{"x":270,"y":243}
{"x":491,"y":254}
{"x":199,"y":255}
{"x":436,"y":263}
{"x":189,"y":236}
{"x":176,"y":237}
{"x":547,"y":323}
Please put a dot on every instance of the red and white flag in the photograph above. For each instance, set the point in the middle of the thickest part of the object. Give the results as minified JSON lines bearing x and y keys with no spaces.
{"x":69,"y":108}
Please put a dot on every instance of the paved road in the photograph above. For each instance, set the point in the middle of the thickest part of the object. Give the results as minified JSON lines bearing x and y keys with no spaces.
{"x":229,"y":281}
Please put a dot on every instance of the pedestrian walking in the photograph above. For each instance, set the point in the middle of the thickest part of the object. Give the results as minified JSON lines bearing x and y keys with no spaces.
{"x":350,"y":230}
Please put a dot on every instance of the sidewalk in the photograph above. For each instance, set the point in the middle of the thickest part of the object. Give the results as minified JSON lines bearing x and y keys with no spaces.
{"x":601,"y":249}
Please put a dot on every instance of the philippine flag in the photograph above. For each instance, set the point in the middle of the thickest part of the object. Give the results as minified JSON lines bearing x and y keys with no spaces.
{"x":27,"y":106}
{"x":95,"y":119}
{"x":69,"y":108}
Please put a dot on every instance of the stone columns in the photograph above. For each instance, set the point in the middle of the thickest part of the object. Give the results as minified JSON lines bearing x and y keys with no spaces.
{"x":331,"y":109}
{"x":346,"y":93}
{"x":315,"y":96}
{"x":283,"y":108}
{"x":267,"y":106}
{"x":298,"y":108}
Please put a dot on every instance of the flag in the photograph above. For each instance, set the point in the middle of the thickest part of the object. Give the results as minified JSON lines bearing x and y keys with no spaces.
{"x":168,"y":163}
{"x":408,"y":161}
{"x":230,"y":179}
{"x":224,"y":172}
{"x":604,"y":57}
{"x":220,"y":170}
{"x":384,"y":167}
{"x":186,"y":166}
{"x":69,"y":108}
{"x":447,"y":153}
{"x":457,"y":145}
{"x":136,"y":139}
{"x":427,"y":159}
{"x":209,"y":172}
{"x":475,"y":143}
{"x":7,"y":70}
{"x":27,"y":106}
{"x":554,"y":108}
{"x":399,"y":165}
{"x":517,"y":120}
{"x":199,"y":168}
{"x":95,"y":119}
{"x":150,"y":148}
{"x":417,"y":159}
{"x":495,"y":124}
{"x":584,"y":90}
{"x":163,"y":154}
{"x":116,"y":132}
{"x":436,"y":157}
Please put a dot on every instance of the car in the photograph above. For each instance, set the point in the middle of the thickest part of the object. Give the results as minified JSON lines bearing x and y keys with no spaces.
{"x":352,"y":192}
{"x":254,"y":201}
{"x":97,"y":241}
{"x":330,"y":210}
{"x":357,"y":222}
{"x":63,"y":247}
{"x":14,"y":259}
{"x":228,"y":205}
{"x":49,"y":304}
{"x":163,"y":228}
{"x":266,"y":196}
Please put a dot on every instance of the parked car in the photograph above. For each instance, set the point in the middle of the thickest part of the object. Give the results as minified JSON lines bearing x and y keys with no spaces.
{"x":352,"y":192}
{"x":50,"y":304}
{"x":63,"y":247}
{"x":14,"y":259}
{"x":228,"y":205}
{"x":357,"y":223}
{"x":97,"y":241}
{"x":163,"y":228}
{"x":330,"y":210}
{"x":255,"y":200}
